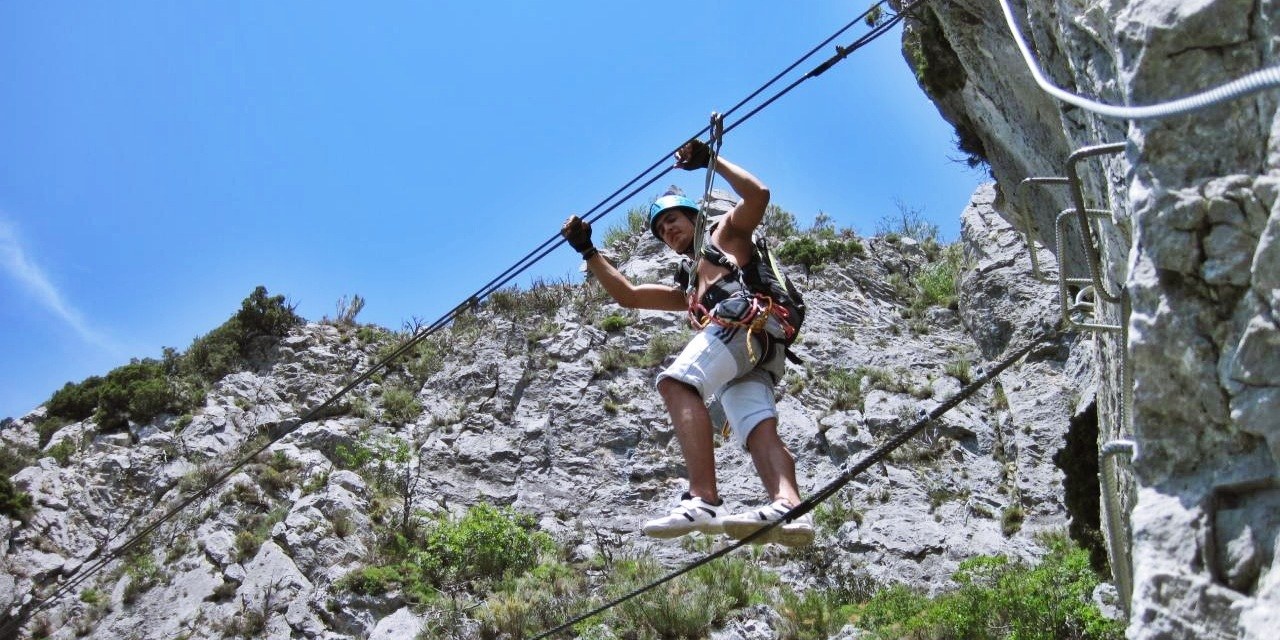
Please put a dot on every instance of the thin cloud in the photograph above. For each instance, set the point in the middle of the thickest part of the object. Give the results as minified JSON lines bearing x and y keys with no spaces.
{"x":14,"y":262}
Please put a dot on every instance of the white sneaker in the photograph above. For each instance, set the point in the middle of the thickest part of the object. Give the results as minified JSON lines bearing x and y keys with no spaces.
{"x":692,"y":514}
{"x":796,"y":533}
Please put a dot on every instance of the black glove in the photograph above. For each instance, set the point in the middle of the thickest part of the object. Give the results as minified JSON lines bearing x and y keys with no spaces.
{"x":578,"y":232}
{"x":694,"y":154}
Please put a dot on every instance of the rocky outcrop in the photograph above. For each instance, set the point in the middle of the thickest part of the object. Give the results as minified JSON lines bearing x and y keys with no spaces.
{"x":1187,"y":246}
{"x":535,"y":401}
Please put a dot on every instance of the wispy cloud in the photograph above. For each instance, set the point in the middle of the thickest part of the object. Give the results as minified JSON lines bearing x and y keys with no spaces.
{"x":15,"y":262}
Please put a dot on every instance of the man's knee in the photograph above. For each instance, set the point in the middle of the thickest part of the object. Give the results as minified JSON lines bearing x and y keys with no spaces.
{"x":670,"y":387}
{"x":765,"y":434}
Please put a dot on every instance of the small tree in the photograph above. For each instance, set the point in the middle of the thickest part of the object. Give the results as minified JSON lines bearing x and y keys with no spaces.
{"x":908,"y":222}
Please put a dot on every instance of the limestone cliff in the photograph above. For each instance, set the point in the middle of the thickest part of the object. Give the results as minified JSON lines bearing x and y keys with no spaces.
{"x":1186,"y":348}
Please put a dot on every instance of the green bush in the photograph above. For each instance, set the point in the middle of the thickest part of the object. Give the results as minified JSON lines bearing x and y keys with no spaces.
{"x":814,"y":614}
{"x":143,"y":574}
{"x":474,"y":553}
{"x":614,"y":322}
{"x":810,"y":252}
{"x":228,"y":347}
{"x":400,"y":406}
{"x":686,"y":607}
{"x":138,"y":391}
{"x":845,"y":388}
{"x":936,"y":284}
{"x":73,"y":401}
{"x":483,"y":546}
{"x":62,"y":451}
{"x":615,"y":237}
{"x":1011,"y":520}
{"x":999,"y":598}
{"x":778,"y":223}
{"x":536,"y":601}
{"x":13,"y":503}
{"x":960,"y":369}
{"x":663,"y":345}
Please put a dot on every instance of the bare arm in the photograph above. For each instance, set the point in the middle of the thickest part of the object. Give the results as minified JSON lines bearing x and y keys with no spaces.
{"x":734,"y":233}
{"x":644,"y":296}
{"x":633,"y":296}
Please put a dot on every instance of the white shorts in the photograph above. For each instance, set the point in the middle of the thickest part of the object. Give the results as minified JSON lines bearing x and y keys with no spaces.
{"x":716,"y":363}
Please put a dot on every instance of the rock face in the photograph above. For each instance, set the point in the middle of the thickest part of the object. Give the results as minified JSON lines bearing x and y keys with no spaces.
{"x":544,"y":400}
{"x":1187,"y":246}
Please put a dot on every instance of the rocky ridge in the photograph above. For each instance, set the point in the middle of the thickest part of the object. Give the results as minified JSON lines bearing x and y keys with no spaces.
{"x":539,"y":400}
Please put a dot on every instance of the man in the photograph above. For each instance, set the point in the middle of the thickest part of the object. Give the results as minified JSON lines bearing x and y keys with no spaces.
{"x":737,"y":357}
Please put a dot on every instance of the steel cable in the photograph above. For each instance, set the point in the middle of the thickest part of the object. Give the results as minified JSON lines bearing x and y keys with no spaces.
{"x":1260,"y":80}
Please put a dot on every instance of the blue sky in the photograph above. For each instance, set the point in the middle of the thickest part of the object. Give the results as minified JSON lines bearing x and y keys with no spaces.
{"x":160,"y":160}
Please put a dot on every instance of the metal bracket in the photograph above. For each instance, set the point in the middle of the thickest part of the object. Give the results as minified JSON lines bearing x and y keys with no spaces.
{"x":1091,"y":288}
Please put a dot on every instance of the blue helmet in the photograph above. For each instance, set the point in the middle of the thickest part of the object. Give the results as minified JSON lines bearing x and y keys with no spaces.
{"x":669,"y":202}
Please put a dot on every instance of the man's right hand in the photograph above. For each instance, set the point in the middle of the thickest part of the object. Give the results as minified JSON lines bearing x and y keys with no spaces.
{"x":692,"y":155}
{"x":578,"y":232}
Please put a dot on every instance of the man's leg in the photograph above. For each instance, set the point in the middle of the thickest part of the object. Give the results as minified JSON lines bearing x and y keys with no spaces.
{"x":693,"y":432}
{"x":774,"y":462}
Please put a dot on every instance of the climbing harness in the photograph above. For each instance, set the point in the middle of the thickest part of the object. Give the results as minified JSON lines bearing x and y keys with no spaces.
{"x":759,"y":309}
{"x":760,"y":281}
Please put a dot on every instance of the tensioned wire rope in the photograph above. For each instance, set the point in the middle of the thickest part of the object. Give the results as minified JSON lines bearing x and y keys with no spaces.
{"x":285,"y":427}
{"x":1259,"y":80}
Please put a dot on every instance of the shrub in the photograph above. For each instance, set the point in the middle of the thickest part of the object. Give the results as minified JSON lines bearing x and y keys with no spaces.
{"x":347,"y":309}
{"x":427,"y":359}
{"x":960,"y":369}
{"x":533,"y":602}
{"x":13,"y":503}
{"x":613,"y":359}
{"x":62,"y":451}
{"x":352,"y":457}
{"x":138,"y":391}
{"x":614,"y":322}
{"x":845,"y":388}
{"x":477,"y":551}
{"x":682,"y":608}
{"x":143,"y":574}
{"x":778,"y":223}
{"x":637,"y":221}
{"x":999,"y":598}
{"x":227,"y":348}
{"x":832,"y":515}
{"x":482,"y":546}
{"x":810,"y":252}
{"x":1011,"y":520}
{"x":73,"y":401}
{"x":908,"y":222}
{"x":247,"y":545}
{"x":812,"y":615}
{"x":663,"y":345}
{"x":400,"y":406}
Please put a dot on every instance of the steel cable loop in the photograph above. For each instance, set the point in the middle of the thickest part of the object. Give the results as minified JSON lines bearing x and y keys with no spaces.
{"x":523,"y":264}
{"x":700,"y":223}
{"x":1260,"y":80}
{"x":831,"y":488}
